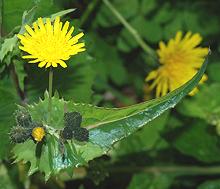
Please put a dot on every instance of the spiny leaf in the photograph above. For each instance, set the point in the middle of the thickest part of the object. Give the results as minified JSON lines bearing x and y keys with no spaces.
{"x":106,"y":126}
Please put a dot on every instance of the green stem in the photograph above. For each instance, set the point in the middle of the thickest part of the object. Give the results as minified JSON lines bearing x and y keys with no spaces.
{"x":133,"y":32}
{"x":50,"y":92}
{"x":181,"y":170}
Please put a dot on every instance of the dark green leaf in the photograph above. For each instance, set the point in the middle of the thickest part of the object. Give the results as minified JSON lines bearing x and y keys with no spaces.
{"x":204,"y":105}
{"x":199,"y":142}
{"x":147,"y":6}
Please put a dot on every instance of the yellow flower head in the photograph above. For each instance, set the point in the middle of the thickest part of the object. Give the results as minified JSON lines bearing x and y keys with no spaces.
{"x":38,"y":133}
{"x":50,"y":44}
{"x":180,"y":59}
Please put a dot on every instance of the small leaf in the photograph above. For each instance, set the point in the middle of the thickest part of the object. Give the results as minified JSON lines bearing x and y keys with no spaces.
{"x":61,"y":13}
{"x":27,"y":18}
{"x":7,"y":46}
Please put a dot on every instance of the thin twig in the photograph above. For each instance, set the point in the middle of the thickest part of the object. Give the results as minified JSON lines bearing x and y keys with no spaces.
{"x":133,"y":32}
{"x":50,"y":86}
{"x":182,"y":170}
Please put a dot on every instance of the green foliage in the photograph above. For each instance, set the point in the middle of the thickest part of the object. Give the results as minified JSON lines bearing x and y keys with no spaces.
{"x":7,"y":46}
{"x":212,"y":184}
{"x":198,"y":141}
{"x":107,"y":126}
{"x":78,"y":87}
{"x":145,"y":139}
{"x":149,"y":30}
{"x":12,"y":14}
{"x":105,"y":19}
{"x":6,"y":182}
{"x":205,"y":105}
{"x":7,"y":101}
{"x":143,"y":181}
{"x":111,"y":74}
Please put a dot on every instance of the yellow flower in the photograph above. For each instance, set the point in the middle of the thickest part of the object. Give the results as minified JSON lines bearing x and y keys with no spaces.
{"x":180,"y":59}
{"x":38,"y":133}
{"x":50,"y":44}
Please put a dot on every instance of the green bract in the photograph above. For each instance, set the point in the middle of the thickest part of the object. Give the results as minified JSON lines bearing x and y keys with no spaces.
{"x":106,"y":126}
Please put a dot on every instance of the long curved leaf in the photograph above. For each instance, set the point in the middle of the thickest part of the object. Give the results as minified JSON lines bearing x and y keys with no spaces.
{"x":106,"y":126}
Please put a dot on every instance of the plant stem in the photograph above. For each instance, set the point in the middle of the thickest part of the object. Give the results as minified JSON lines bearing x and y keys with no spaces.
{"x":133,"y":32}
{"x":182,"y":170}
{"x":157,"y":170}
{"x":50,"y":92}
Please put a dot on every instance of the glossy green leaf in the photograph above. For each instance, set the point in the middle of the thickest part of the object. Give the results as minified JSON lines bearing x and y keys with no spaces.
{"x":106,"y":127}
{"x":144,"y":139}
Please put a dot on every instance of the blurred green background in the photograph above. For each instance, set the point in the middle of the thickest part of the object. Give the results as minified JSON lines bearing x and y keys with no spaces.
{"x":178,"y":150}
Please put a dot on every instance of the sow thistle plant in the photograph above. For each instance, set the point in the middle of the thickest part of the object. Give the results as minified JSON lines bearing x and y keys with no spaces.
{"x":70,"y":134}
{"x":48,"y":45}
